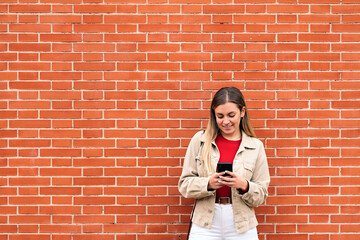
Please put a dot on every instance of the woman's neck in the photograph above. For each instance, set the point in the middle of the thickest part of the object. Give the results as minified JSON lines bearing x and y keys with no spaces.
{"x":233,"y":137}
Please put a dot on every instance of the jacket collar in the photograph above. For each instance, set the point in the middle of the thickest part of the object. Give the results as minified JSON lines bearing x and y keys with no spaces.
{"x":246,"y":141}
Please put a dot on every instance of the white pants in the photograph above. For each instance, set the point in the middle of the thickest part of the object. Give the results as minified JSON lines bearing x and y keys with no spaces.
{"x":222,"y":227}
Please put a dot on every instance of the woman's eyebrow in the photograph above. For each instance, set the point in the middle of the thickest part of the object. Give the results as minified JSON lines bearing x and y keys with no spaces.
{"x":232,"y":112}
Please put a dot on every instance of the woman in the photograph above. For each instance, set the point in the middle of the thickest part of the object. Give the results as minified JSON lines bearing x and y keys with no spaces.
{"x":225,"y":204}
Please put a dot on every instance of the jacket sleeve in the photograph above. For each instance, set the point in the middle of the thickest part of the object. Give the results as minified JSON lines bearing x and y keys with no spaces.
{"x":259,"y":182}
{"x":191,"y":185}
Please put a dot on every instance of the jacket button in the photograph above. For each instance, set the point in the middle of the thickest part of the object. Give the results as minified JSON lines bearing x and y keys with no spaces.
{"x":206,"y":224}
{"x":210,"y":211}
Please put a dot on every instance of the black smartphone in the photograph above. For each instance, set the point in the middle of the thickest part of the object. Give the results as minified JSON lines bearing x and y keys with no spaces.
{"x":221,"y":167}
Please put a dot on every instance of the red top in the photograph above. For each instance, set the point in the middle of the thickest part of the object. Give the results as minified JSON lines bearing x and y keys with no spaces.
{"x":228,"y":149}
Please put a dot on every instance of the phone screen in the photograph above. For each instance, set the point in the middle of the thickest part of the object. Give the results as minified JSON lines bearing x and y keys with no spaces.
{"x":221,"y":167}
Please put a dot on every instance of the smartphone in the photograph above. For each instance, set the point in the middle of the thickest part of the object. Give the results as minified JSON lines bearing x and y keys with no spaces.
{"x":221,"y":167}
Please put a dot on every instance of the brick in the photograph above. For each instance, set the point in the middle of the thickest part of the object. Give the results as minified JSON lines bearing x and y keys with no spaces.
{"x":189,"y":19}
{"x":319,"y":57}
{"x":318,"y":114}
{"x":190,"y":37}
{"x":29,"y":28}
{"x":287,"y":143}
{"x":288,"y":218}
{"x":159,"y":8}
{"x":29,"y":200}
{"x":124,"y":172}
{"x":344,"y":123}
{"x":319,"y":152}
{"x":319,"y":209}
{"x":159,"y":66}
{"x":29,"y":236}
{"x":255,"y":57}
{"x":159,"y":28}
{"x":29,"y":8}
{"x":155,"y":181}
{"x":29,"y":219}
{"x":161,"y":200}
{"x":189,"y":57}
{"x":8,"y":228}
{"x":94,"y":8}
{"x":60,"y":37}
{"x":318,"y":190}
{"x":223,"y":27}
{"x":124,"y":228}
{"x":248,"y":37}
{"x":59,"y":228}
{"x":288,"y":47}
{"x":123,"y":37}
{"x":30,"y":124}
{"x":94,"y":219}
{"x":287,"y":123}
{"x":319,"y":19}
{"x":319,"y":37}
{"x":285,"y":200}
{"x":345,"y":9}
{"x":255,"y":18}
{"x":286,"y":27}
{"x":283,"y":8}
{"x":344,"y":236}
{"x":94,"y":200}
{"x":224,"y":9}
{"x":29,"y":66}
{"x":318,"y":227}
{"x":155,"y":47}
{"x":286,"y":66}
{"x":139,"y":95}
{"x":60,"y":76}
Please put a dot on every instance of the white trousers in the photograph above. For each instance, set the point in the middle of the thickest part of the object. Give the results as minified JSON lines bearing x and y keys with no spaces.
{"x":222,"y":227}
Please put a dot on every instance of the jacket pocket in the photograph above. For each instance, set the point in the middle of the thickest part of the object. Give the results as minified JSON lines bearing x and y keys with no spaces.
{"x":199,"y":166}
{"x":249,"y":169}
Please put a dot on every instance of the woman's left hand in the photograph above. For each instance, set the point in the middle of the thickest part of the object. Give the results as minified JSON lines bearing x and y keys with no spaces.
{"x":234,"y":180}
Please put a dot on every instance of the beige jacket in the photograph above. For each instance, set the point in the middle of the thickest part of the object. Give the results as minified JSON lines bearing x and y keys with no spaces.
{"x":250,"y":162}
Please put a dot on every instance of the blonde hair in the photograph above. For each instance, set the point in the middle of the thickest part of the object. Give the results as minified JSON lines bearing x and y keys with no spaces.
{"x":224,"y":95}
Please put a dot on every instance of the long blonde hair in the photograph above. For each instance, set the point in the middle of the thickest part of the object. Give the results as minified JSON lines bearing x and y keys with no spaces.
{"x":224,"y":95}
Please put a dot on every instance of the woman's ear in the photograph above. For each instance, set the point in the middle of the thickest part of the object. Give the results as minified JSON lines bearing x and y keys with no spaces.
{"x":242,"y":111}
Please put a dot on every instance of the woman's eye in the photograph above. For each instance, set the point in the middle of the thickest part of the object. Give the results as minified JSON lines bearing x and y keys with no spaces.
{"x":232,"y":116}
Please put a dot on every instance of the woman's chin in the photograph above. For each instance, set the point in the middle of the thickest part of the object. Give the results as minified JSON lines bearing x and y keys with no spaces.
{"x":228,"y":131}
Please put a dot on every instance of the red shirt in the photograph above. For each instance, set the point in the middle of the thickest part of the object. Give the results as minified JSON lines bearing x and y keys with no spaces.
{"x":228,"y":150}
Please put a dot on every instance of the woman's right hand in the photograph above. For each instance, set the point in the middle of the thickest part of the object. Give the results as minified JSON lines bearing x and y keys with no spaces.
{"x":215,"y":182}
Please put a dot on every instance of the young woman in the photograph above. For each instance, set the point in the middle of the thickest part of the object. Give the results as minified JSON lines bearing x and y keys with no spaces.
{"x":225,"y":204}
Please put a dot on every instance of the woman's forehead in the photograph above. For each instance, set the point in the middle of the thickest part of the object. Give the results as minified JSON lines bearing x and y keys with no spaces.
{"x":227,"y":107}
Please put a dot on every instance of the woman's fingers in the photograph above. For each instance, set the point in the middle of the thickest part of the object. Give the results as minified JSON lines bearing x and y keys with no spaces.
{"x":215,"y":182}
{"x":218,"y":180}
{"x":234,"y":180}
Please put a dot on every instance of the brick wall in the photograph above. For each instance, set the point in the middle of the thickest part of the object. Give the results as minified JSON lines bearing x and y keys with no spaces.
{"x":99,"y":99}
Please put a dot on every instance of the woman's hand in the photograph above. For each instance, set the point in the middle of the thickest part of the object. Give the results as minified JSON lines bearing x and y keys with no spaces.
{"x":235,"y":181}
{"x":215,"y":182}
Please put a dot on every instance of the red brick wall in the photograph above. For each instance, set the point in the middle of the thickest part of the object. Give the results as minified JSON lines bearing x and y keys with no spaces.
{"x":99,"y":99}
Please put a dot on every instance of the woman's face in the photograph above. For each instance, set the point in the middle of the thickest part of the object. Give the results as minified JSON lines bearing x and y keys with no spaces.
{"x":228,"y":118}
